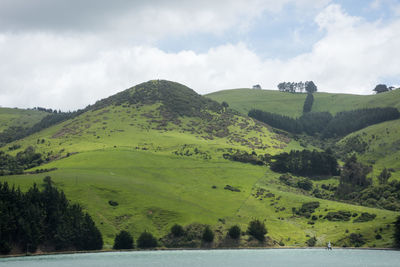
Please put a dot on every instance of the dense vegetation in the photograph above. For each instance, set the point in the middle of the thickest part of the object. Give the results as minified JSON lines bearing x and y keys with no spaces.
{"x":308,"y":103}
{"x":306,"y":163}
{"x":123,"y":240}
{"x":29,"y":220}
{"x":23,"y":160}
{"x":294,"y":87}
{"x":341,"y":124}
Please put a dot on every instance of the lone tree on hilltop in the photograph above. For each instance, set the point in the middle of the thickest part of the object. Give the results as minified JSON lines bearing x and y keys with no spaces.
{"x":311,"y":87}
{"x":380,"y":88}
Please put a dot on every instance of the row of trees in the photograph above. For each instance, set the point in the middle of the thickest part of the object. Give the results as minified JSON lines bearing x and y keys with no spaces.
{"x":306,"y":163}
{"x":295,"y":87}
{"x":44,"y":217}
{"x":381,"y":88}
{"x":324,"y":123}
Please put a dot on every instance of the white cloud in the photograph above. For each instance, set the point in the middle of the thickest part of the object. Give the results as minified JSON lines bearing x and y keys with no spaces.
{"x":70,"y":71}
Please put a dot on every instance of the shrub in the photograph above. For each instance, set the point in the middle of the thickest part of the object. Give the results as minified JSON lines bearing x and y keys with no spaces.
{"x":208,"y":235}
{"x":234,"y":232}
{"x":113,"y":203}
{"x":356,"y":239}
{"x":340,"y":215}
{"x":365,"y":217}
{"x":257,"y":230}
{"x":397,"y":233}
{"x":311,"y":242}
{"x":177,"y":230}
{"x":305,"y":184}
{"x":123,"y":240}
{"x":146,"y":240}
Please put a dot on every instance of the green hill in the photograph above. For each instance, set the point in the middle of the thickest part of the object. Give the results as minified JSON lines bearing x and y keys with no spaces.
{"x":157,"y":150}
{"x":289,"y":104}
{"x":19,"y":117}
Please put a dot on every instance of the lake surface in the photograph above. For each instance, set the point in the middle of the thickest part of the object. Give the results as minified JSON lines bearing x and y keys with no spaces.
{"x":234,"y":257}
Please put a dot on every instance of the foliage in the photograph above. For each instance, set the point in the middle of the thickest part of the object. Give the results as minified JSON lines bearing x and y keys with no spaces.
{"x":257,"y":229}
{"x":341,"y":124}
{"x":208,"y":235}
{"x":353,"y":177}
{"x":44,"y":217}
{"x":177,"y":230}
{"x":234,"y":232}
{"x":337,"y":216}
{"x":305,"y":184}
{"x":307,"y":209}
{"x":146,"y":240}
{"x":365,"y":217}
{"x":397,"y":233}
{"x":123,"y":240}
{"x":384,"y":176}
{"x":306,"y":163}
{"x":380,"y":88}
{"x":23,"y":160}
{"x":294,"y":87}
{"x":245,"y":157}
{"x":311,"y":241}
{"x":356,"y":240}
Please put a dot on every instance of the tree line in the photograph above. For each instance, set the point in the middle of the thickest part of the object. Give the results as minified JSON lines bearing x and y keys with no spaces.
{"x":294,"y":87}
{"x":306,"y":163}
{"x":324,"y":123}
{"x":44,"y":217}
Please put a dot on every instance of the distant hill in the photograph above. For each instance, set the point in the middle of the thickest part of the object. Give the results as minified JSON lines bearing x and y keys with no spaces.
{"x":289,"y":104}
{"x":19,"y":117}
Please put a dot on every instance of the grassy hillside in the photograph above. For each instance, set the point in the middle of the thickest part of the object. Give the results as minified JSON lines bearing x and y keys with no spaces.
{"x":291,"y":105}
{"x":381,"y":146}
{"x":19,"y":117}
{"x":154,"y":191}
{"x":156,"y":149}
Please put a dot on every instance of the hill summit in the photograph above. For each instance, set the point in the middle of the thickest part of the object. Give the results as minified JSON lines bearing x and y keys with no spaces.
{"x":175,"y":99}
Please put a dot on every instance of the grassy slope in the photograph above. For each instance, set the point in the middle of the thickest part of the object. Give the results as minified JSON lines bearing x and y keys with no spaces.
{"x":156,"y":188}
{"x":383,"y":141}
{"x":292,"y":104}
{"x":19,"y":117}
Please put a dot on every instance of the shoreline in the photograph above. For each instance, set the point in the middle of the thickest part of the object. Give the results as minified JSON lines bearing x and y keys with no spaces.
{"x":181,"y":249}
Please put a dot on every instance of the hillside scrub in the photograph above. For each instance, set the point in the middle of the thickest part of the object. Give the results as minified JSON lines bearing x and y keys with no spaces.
{"x":123,"y":240}
{"x":23,"y":160}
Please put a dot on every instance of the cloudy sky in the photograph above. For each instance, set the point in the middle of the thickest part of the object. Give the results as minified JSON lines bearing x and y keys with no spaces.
{"x":66,"y":54}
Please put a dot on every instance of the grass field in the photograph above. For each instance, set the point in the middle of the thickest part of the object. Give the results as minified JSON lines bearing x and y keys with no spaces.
{"x":291,"y":105}
{"x":19,"y":117}
{"x":154,"y":191}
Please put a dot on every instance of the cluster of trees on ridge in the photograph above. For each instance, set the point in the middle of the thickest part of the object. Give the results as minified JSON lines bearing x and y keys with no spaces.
{"x":294,"y":87}
{"x":44,"y":217}
{"x":324,"y":123}
{"x":381,"y":88}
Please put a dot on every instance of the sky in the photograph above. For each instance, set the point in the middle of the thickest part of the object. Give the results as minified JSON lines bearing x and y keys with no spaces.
{"x":67,"y":54}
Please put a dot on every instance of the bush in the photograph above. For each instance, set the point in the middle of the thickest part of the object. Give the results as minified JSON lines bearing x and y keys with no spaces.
{"x":113,"y":203}
{"x":397,"y":233}
{"x":123,"y":240}
{"x":365,"y":217}
{"x":257,"y":230}
{"x":356,"y":239}
{"x":146,"y":240}
{"x":177,"y":230}
{"x":234,"y":232}
{"x":305,"y":184}
{"x":208,"y":235}
{"x":340,"y":215}
{"x":311,"y":242}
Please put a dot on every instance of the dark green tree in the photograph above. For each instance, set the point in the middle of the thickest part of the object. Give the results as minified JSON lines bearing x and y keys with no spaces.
{"x":177,"y":230}
{"x":380,"y":88}
{"x":146,"y":240}
{"x":384,"y":176}
{"x":257,"y":230}
{"x":308,"y":103}
{"x":234,"y":232}
{"x":123,"y":240}
{"x":208,"y":234}
{"x":397,"y":233}
{"x":311,"y":87}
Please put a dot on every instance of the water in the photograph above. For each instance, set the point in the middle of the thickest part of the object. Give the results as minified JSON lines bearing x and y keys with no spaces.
{"x":231,"y":258}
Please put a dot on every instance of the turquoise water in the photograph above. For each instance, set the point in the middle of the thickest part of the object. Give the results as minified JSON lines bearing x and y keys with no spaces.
{"x":194,"y":258}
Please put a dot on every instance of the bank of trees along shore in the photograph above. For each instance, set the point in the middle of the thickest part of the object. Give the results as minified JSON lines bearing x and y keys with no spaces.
{"x":44,"y":218}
